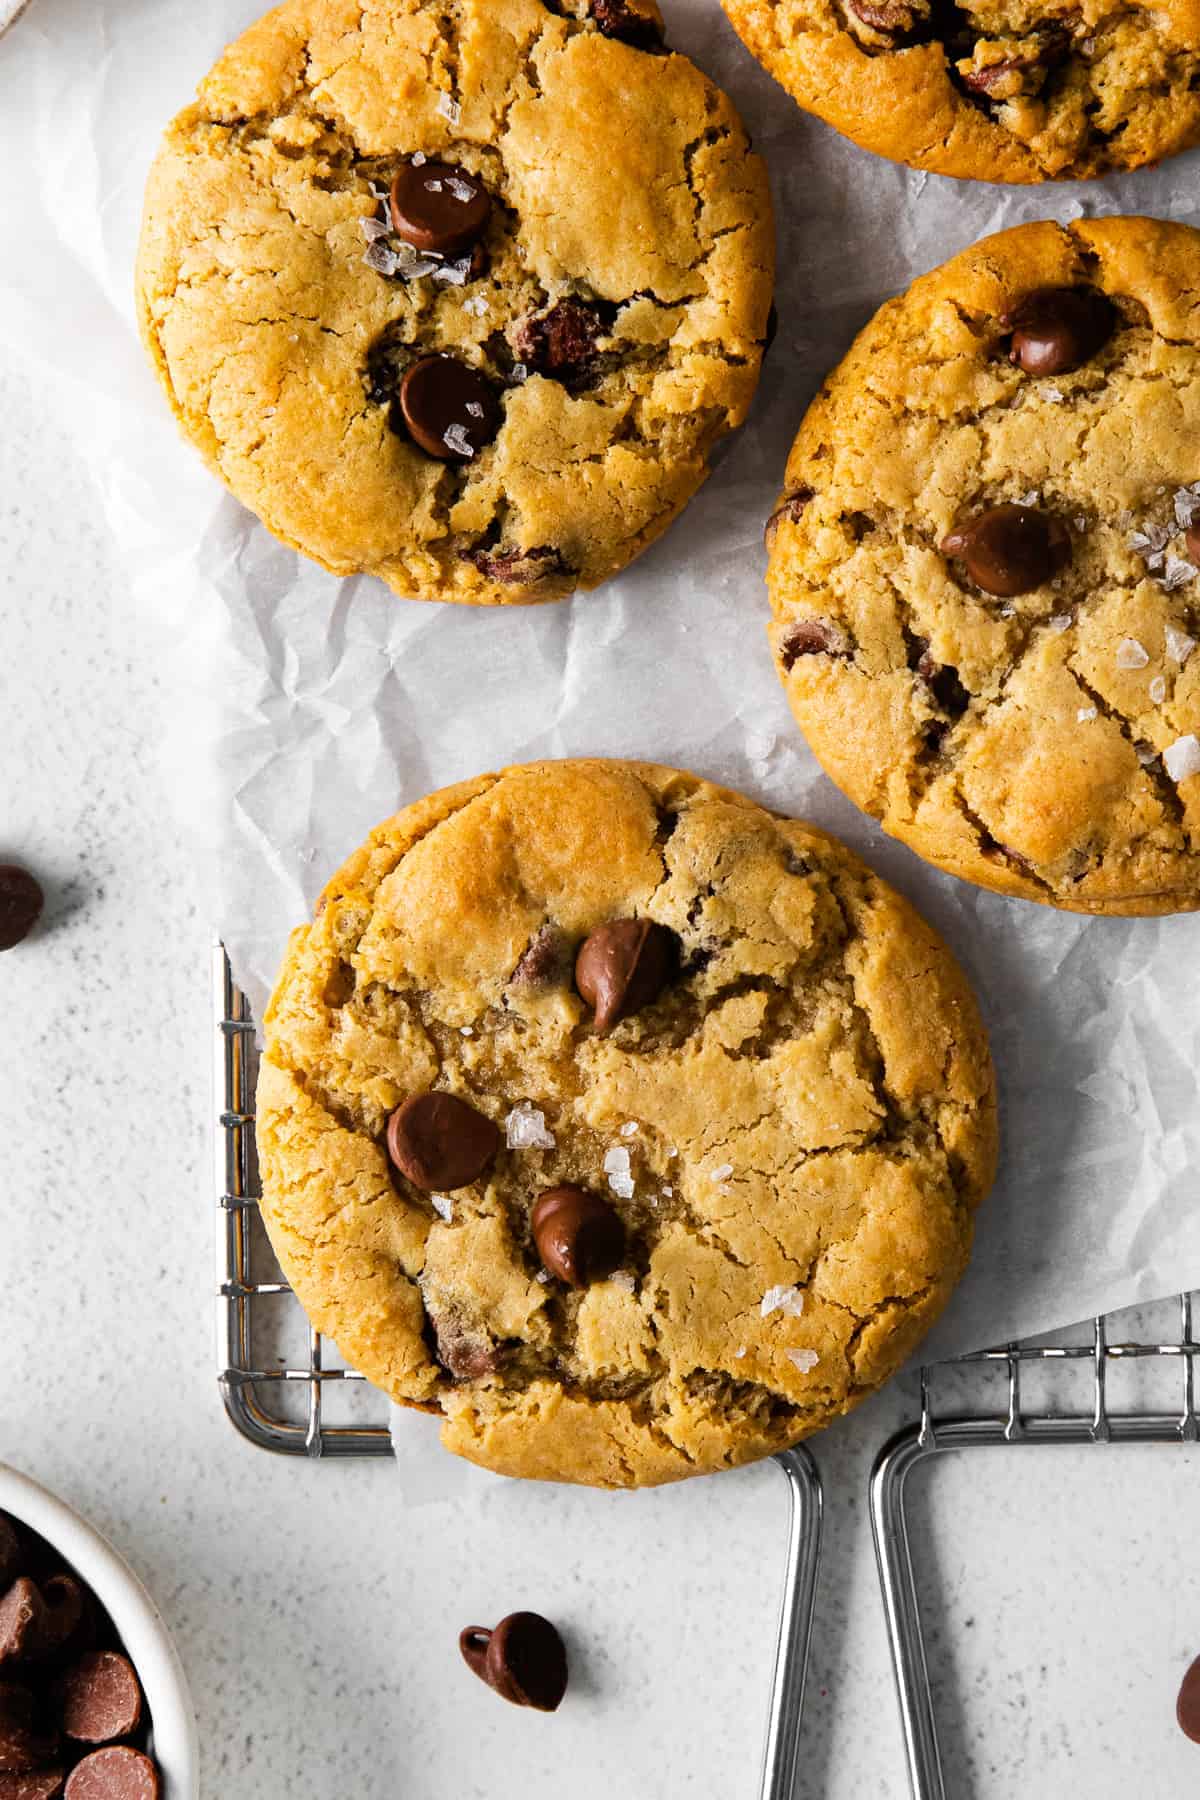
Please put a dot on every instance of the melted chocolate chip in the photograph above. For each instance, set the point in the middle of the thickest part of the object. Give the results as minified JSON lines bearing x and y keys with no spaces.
{"x":561,"y":342}
{"x":891,"y":18}
{"x":1010,"y":550}
{"x":790,"y":507}
{"x":518,"y":568}
{"x":439,"y":207}
{"x":579,"y":1236}
{"x":944,"y":684}
{"x":524,"y":1660}
{"x":463,"y":1354}
{"x":440,"y":1142}
{"x":1055,"y":330}
{"x":809,"y":637}
{"x":449,"y":408}
{"x":21,"y":902}
{"x":633,"y":21}
{"x":1192,"y":541}
{"x":624,"y":966}
{"x":544,"y":962}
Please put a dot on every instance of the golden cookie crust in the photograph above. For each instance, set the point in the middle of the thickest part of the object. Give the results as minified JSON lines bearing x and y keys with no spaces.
{"x":618,"y":174}
{"x":1064,"y":779}
{"x":1015,"y":91}
{"x":813,"y":1102}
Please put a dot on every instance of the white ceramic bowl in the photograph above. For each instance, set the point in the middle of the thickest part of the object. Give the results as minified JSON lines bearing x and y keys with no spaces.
{"x":135,"y":1616}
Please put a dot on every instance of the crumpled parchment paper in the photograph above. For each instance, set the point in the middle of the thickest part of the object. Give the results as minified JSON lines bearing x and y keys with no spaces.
{"x":305,"y":709}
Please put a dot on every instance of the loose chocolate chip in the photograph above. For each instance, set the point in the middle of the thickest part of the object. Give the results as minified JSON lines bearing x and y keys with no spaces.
{"x":809,"y":637}
{"x":99,"y":1698}
{"x":523,"y":1659}
{"x":21,"y":1613}
{"x":440,"y":1142}
{"x":945,"y":686}
{"x":790,"y":507}
{"x":518,"y":568}
{"x":22,"y":1746}
{"x":1187,"y":1707}
{"x":449,"y":408}
{"x":579,"y":1236}
{"x":633,"y":21}
{"x":1010,"y":550}
{"x":39,"y":1784}
{"x":545,"y":960}
{"x":463,"y":1355}
{"x":1056,"y":329}
{"x":439,"y":206}
{"x":117,"y":1773}
{"x":623,"y":966}
{"x":560,"y":342}
{"x":21,"y":903}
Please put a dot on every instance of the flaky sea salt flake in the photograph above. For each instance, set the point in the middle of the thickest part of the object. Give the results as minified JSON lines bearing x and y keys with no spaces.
{"x":1182,"y":758}
{"x":1158,"y":689}
{"x":805,"y":1360}
{"x":623,"y":1279}
{"x":443,"y":1206}
{"x":1179,"y":645}
{"x":462,"y":190}
{"x":629,"y":1128}
{"x":1177,"y":572}
{"x":1061,"y":622}
{"x":477,"y":304}
{"x":782,"y":1299}
{"x":373,"y":229}
{"x":433,"y":185}
{"x":449,"y":109}
{"x":382,"y":258}
{"x":1029,"y":499}
{"x":722,"y":1172}
{"x":1085,"y":715}
{"x":1187,"y":505}
{"x":739,"y":1352}
{"x":525,"y":1128}
{"x":1054,"y":395}
{"x":455,"y":438}
{"x":1149,"y":538}
{"x":474,"y":408}
{"x":1131,"y":654}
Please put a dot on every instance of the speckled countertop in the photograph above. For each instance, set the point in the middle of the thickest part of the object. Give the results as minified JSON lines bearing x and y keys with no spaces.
{"x":317,"y":1616}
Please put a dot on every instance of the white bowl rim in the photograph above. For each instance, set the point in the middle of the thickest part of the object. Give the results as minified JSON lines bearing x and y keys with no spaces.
{"x":138,"y":1621}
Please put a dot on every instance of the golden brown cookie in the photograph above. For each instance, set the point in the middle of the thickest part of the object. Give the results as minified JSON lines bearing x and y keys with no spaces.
{"x":996,"y":90}
{"x":458,"y":292}
{"x":636,"y":1131}
{"x":983,"y":567}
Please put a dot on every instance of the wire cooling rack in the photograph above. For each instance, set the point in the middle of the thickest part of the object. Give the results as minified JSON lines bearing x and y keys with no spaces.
{"x":1082,"y":1414}
{"x":277,"y":1374}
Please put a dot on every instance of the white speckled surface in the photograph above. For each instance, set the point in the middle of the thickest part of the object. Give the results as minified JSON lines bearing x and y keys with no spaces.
{"x":318,"y":1618}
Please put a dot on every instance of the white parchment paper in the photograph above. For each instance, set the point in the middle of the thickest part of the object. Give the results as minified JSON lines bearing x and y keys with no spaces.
{"x":305,"y":709}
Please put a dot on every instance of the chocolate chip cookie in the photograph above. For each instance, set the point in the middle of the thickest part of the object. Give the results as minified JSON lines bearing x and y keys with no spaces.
{"x":997,"y":90}
{"x":631,"y":1129}
{"x":983,"y":569}
{"x":458,"y":292}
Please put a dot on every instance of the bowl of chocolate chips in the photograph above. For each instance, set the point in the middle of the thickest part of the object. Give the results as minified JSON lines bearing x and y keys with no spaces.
{"x":94,"y":1703}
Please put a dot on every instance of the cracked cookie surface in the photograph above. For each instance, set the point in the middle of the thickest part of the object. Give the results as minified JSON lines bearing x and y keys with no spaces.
{"x":1042,"y":742}
{"x":795,"y":1131}
{"x":615,"y":300}
{"x":995,"y":90}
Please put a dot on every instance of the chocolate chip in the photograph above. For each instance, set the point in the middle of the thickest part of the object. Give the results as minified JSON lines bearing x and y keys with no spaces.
{"x":66,"y":1612}
{"x":462,"y":1353}
{"x":118,"y":1773}
{"x":1010,"y":550}
{"x":518,"y":568}
{"x":523,"y":1659}
{"x":449,"y":408}
{"x":1056,"y":329}
{"x":790,"y":507}
{"x":10,"y":1552}
{"x":623,"y":966}
{"x":439,"y":206}
{"x":20,"y":1620}
{"x":545,"y":960}
{"x":944,"y":684}
{"x":39,"y":1784}
{"x":633,"y":21}
{"x":440,"y":1142}
{"x":560,"y":342}
{"x":21,"y":903}
{"x":809,"y":637}
{"x":1011,"y":76}
{"x":579,"y":1236}
{"x":1192,"y":540}
{"x":1187,"y":1707}
{"x":99,"y":1698}
{"x":891,"y":18}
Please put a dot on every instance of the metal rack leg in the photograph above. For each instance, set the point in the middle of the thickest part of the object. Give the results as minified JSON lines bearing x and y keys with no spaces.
{"x":893,"y":1553}
{"x":782,"y":1754}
